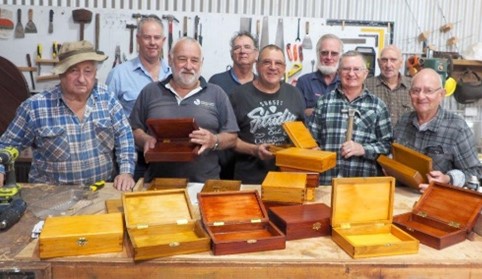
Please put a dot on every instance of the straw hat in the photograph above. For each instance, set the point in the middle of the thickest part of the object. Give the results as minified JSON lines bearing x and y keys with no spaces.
{"x":72,"y":53}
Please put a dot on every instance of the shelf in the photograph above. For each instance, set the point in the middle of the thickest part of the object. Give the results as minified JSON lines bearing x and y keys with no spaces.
{"x":47,"y":77}
{"x":27,"y":69}
{"x":46,"y":61}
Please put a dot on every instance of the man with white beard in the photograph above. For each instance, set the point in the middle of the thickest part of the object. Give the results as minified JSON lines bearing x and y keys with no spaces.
{"x":185,"y":93}
{"x":325,"y":79}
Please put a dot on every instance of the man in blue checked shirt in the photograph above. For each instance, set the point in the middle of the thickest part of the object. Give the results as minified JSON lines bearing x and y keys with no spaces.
{"x":74,"y":128}
{"x":372,"y":129}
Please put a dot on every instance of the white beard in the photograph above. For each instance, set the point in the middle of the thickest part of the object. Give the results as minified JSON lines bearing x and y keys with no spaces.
{"x":327,"y":70}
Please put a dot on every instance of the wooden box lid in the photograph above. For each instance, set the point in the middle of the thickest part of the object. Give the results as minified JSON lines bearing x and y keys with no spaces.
{"x":285,"y":180}
{"x":152,"y":208}
{"x":236,"y":207}
{"x":162,"y":183}
{"x":172,"y":129}
{"x":402,"y":173}
{"x":450,"y":204}
{"x":362,"y":200}
{"x":412,"y":159}
{"x":220,"y":185}
{"x":299,"y":134}
{"x":305,"y":159}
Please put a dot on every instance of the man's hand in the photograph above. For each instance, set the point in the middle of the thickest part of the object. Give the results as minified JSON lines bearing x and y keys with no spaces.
{"x":124,"y":182}
{"x":262,"y":151}
{"x":203,"y":137}
{"x":438,"y":176}
{"x":149,"y":143}
{"x":351,"y":148}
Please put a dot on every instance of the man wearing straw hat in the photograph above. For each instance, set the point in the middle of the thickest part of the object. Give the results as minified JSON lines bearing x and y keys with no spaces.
{"x":75,"y":127}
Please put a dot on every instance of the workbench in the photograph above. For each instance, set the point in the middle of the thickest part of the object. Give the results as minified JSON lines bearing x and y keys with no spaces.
{"x":306,"y":258}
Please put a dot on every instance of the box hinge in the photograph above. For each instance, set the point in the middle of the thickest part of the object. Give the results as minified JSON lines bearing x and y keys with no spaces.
{"x":379,"y":225}
{"x":422,"y":214}
{"x":142,"y":226}
{"x":454,"y":224}
{"x":345,"y":225}
{"x":256,"y":220}
{"x":217,"y":224}
{"x":182,"y":221}
{"x":166,"y":140}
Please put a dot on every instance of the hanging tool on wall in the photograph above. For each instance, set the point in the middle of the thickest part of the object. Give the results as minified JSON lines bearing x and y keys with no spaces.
{"x":82,"y":16}
{"x":196,"y":25}
{"x":298,"y":39}
{"x":200,"y":34}
{"x":30,"y":26}
{"x":184,"y":26}
{"x":19,"y":32}
{"x":264,"y":33}
{"x":117,"y":56}
{"x":245,"y":24}
{"x":97,"y":31}
{"x":279,"y":40}
{"x":307,"y":44}
{"x":170,"y":20}
{"x":51,"y":22}
{"x":131,"y":27}
{"x":29,"y":63}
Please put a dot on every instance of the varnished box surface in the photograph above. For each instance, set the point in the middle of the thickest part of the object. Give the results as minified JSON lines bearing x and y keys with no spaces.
{"x":161,"y":183}
{"x":306,"y":159}
{"x":220,"y":185}
{"x":288,"y":187}
{"x":81,"y":235}
{"x":299,"y":135}
{"x":362,"y":211}
{"x":237,"y":222}
{"x":173,"y":142}
{"x":444,"y":215}
{"x":161,"y":223}
{"x":302,"y":221}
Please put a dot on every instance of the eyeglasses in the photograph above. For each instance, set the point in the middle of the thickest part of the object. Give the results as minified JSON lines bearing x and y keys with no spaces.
{"x":268,"y":63}
{"x":247,"y":48}
{"x":356,"y":70}
{"x":385,"y":60}
{"x":329,"y":53}
{"x":428,"y":92}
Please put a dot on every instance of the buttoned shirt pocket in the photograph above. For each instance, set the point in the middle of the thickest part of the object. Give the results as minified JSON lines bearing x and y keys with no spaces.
{"x":54,"y":143}
{"x":105,"y":136}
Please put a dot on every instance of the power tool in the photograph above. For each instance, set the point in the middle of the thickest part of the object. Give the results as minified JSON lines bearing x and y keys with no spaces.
{"x":11,"y":189}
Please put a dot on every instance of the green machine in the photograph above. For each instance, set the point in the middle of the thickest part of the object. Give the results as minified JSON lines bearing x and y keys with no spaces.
{"x":440,"y":65}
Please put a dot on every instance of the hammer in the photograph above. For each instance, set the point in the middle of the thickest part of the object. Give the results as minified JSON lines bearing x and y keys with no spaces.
{"x":131,"y":42}
{"x":349,"y":126}
{"x":170,"y":18}
{"x":82,"y":16}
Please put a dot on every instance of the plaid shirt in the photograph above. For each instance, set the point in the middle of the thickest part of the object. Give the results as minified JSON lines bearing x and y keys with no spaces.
{"x":372,"y":129}
{"x":397,"y":100}
{"x":67,"y":150}
{"x":447,"y":139}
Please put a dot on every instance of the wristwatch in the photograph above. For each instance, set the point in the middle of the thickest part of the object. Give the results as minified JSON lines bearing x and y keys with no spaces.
{"x":216,"y":144}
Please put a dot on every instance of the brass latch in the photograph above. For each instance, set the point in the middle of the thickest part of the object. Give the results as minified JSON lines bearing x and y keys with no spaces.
{"x":255,"y":220}
{"x":174,"y":244}
{"x":166,"y":140}
{"x":251,"y":241}
{"x":316,"y":226}
{"x":345,"y":226}
{"x":182,"y":221}
{"x":422,"y":214}
{"x":454,"y":224}
{"x":82,"y":241}
{"x":142,"y":226}
{"x":217,"y":224}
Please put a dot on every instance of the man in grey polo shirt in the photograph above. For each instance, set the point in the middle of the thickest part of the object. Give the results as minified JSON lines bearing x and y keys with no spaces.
{"x":185,"y":93}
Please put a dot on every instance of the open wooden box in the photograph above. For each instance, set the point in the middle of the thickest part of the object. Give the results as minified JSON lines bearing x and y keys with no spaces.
{"x":299,"y":135}
{"x":161,"y":223}
{"x":407,"y":165}
{"x":173,"y":143}
{"x":443,"y":216}
{"x":221,"y":185}
{"x":237,"y":223}
{"x":287,"y":187}
{"x":362,"y":211}
{"x":302,"y":221}
{"x":81,"y":235}
{"x":161,"y":183}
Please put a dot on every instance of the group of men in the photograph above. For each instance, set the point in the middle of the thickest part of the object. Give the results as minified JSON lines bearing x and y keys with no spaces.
{"x":82,"y":131}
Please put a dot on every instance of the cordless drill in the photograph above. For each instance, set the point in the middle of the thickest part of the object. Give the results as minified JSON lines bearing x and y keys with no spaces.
{"x":8,"y":155}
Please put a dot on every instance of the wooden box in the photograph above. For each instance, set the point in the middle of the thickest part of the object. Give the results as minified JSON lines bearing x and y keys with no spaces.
{"x":173,"y":142}
{"x":237,"y":223}
{"x":168,"y":183}
{"x":81,"y":235}
{"x":302,"y":221}
{"x":287,"y":187}
{"x":312,"y":182}
{"x":305,"y":159}
{"x":362,"y":211}
{"x":161,"y":223}
{"x":407,"y":166}
{"x":299,"y":135}
{"x":443,"y":216}
{"x":220,"y":185}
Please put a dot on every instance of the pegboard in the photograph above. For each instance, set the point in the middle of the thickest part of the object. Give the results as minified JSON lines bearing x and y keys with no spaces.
{"x":217,"y":30}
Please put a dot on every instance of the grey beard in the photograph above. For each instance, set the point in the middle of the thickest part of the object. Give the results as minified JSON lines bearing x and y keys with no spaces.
{"x":327,"y":70}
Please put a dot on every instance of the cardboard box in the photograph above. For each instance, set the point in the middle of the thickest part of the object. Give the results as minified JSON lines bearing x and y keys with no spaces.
{"x":81,"y":235}
{"x":237,"y":222}
{"x":407,"y":165}
{"x":362,"y":211}
{"x":168,"y":183}
{"x":161,"y":223}
{"x":302,"y":221}
{"x":173,"y":142}
{"x":287,"y":187}
{"x":306,"y":159}
{"x":443,"y":216}
{"x":219,"y":185}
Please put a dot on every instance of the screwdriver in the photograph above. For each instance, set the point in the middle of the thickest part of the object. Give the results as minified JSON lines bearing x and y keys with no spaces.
{"x":97,"y":185}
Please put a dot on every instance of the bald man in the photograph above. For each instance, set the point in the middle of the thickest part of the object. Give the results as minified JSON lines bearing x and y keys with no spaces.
{"x":391,"y":86}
